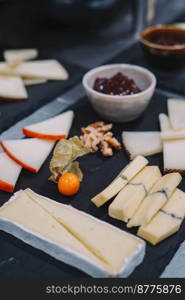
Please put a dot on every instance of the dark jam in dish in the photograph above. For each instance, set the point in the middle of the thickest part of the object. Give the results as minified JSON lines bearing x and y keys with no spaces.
{"x":118,"y":84}
{"x":167,"y":38}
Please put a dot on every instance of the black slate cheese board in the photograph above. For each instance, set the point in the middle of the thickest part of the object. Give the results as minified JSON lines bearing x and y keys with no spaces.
{"x":98,"y":172}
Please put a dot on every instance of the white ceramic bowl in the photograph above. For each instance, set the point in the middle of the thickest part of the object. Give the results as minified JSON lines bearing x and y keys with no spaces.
{"x":120,"y":108}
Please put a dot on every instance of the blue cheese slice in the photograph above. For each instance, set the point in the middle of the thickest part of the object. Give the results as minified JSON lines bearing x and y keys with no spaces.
{"x":116,"y":251}
{"x":167,"y":221}
{"x":130,"y":197}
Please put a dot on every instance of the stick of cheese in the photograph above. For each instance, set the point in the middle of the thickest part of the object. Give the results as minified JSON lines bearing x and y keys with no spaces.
{"x":121,"y":180}
{"x":167,"y":221}
{"x":129,"y":198}
{"x":157,"y":197}
{"x":14,"y":57}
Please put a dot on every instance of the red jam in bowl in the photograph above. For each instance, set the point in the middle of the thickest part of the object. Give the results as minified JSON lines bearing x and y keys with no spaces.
{"x":119,"y":85}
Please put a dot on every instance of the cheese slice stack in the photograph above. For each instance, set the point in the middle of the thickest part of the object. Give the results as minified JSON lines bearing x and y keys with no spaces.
{"x":121,"y":180}
{"x":47,"y":69}
{"x":130,"y":197}
{"x":54,"y":129}
{"x":12,"y":88}
{"x":173,"y":150}
{"x":9,"y":173}
{"x":157,"y":197}
{"x":141,"y":143}
{"x":28,"y":153}
{"x":167,"y":221}
{"x":71,"y":236}
{"x":14,"y":57}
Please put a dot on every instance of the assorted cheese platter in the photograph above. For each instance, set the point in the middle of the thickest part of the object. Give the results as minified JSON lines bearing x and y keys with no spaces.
{"x":110,"y":168}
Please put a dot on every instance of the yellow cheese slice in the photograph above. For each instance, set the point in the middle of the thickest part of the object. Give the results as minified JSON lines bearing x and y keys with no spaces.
{"x":28,"y":214}
{"x":12,"y":88}
{"x":49,"y":69}
{"x":167,"y":221}
{"x":91,"y":232}
{"x":121,"y":180}
{"x":14,"y":57}
{"x":158,"y":196}
{"x":129,"y":198}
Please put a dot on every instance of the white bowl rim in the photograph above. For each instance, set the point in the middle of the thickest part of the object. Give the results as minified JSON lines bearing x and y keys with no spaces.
{"x":119,"y":97}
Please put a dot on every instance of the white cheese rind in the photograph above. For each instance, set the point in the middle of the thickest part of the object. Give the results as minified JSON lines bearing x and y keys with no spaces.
{"x":67,"y":255}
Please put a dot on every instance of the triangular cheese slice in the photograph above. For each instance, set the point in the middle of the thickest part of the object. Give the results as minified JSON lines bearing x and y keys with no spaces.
{"x":12,"y":88}
{"x":54,"y":129}
{"x":31,"y":217}
{"x":141,"y":143}
{"x":9,"y":173}
{"x":14,"y":57}
{"x":5,"y":69}
{"x":28,"y":153}
{"x":47,"y":69}
{"x":106,"y":242}
{"x":176,"y":111}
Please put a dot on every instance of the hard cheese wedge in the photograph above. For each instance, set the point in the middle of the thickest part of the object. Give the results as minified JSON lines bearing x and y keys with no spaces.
{"x":12,"y":88}
{"x":158,"y":196}
{"x":176,"y":111}
{"x":9,"y":173}
{"x":47,"y":69}
{"x":14,"y":57}
{"x":130,"y":197}
{"x":26,"y":220}
{"x":54,"y":129}
{"x":28,"y":153}
{"x":121,"y":180}
{"x":92,"y":233}
{"x":167,"y":221}
{"x":173,"y":150}
{"x":141,"y":143}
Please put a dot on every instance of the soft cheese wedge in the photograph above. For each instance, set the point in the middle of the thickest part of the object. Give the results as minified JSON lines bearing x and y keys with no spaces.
{"x":92,"y":233}
{"x":130,"y":197}
{"x":53,"y":129}
{"x":157,"y":197}
{"x":141,"y":143}
{"x":121,"y":180}
{"x":28,"y":153}
{"x":173,"y":150}
{"x":176,"y":111}
{"x":14,"y":57}
{"x":9,"y":173}
{"x":12,"y":88}
{"x":26,"y":220}
{"x":167,"y":221}
{"x":49,"y":69}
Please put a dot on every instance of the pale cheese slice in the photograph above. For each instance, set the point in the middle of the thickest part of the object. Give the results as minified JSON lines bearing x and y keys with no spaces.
{"x":93,"y":233}
{"x":32,"y":81}
{"x":157,"y":197}
{"x":121,"y":180}
{"x":49,"y":69}
{"x":9,"y":173}
{"x":176,"y":111}
{"x":167,"y":221}
{"x":54,"y":128}
{"x":12,"y":88}
{"x":14,"y":57}
{"x":24,"y":213}
{"x":164,"y":122}
{"x":28,"y":153}
{"x":141,"y":143}
{"x":173,"y":134}
{"x":130,"y":197}
{"x":5,"y":69}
